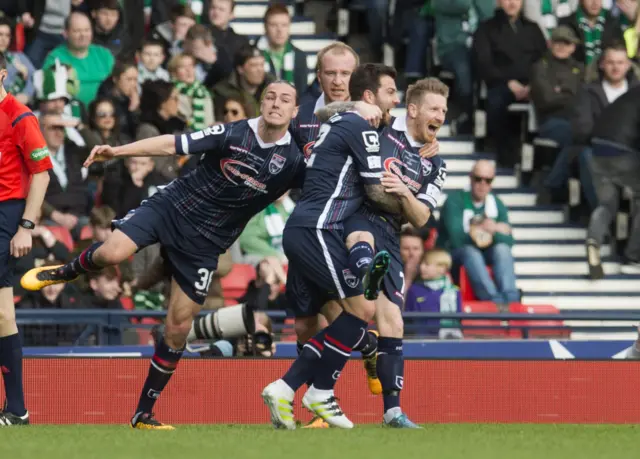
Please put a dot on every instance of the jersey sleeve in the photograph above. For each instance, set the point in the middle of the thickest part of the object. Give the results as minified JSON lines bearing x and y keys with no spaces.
{"x":364,"y":148}
{"x":28,"y":138}
{"x":209,"y":140}
{"x":432,"y":185}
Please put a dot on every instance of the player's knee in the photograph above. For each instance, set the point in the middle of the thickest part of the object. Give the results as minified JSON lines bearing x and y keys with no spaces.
{"x":361,"y":308}
{"x":305,"y":328}
{"x":359,"y":236}
{"x":389,"y":321}
{"x":176,"y":333}
{"x":7,"y":315}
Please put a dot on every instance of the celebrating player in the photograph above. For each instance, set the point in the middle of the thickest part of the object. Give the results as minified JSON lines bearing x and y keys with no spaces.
{"x":24,"y":177}
{"x":245,"y":166}
{"x":314,"y":244}
{"x":410,"y":187}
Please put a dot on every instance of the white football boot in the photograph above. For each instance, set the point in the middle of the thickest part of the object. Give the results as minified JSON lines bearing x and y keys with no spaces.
{"x":324,"y":403}
{"x":278,"y":396}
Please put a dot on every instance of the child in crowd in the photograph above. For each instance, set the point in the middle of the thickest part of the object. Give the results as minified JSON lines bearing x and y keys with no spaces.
{"x":150,"y":59}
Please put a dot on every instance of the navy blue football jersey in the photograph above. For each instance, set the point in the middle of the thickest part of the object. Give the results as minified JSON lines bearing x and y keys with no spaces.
{"x":400,"y":155}
{"x":237,"y":177}
{"x":337,"y":170}
{"x":305,"y":127}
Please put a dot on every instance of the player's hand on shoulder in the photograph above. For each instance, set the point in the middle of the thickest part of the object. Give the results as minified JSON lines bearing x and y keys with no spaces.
{"x":100,"y":153}
{"x":394,"y":185}
{"x":21,"y":243}
{"x":371,"y":113}
{"x":429,"y":150}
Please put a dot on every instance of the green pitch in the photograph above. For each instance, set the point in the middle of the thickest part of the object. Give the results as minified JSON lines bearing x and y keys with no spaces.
{"x":442,"y":441}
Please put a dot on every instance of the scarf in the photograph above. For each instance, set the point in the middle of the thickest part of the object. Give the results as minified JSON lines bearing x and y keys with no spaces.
{"x":197,"y":92}
{"x":592,"y":35}
{"x":490,"y":209}
{"x":18,"y":84}
{"x":281,"y":62}
{"x":274,"y":221}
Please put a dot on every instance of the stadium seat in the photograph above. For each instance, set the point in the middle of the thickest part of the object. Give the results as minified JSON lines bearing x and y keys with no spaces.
{"x":63,"y":235}
{"x":485,"y":307}
{"x":519,"y":308}
{"x":466,"y":290}
{"x":234,"y":284}
{"x":86,"y":233}
{"x":127,"y":303}
{"x":430,"y":242}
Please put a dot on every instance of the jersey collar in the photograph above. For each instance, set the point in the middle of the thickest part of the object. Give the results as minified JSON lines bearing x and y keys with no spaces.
{"x":253,"y":124}
{"x":319,"y":103}
{"x":400,"y":124}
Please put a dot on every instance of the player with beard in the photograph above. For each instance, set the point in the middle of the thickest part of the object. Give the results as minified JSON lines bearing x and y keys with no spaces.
{"x":245,"y":166}
{"x":408,"y":190}
{"x":340,"y":170}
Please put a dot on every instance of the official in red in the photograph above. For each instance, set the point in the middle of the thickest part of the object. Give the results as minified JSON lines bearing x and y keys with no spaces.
{"x":24,"y":177}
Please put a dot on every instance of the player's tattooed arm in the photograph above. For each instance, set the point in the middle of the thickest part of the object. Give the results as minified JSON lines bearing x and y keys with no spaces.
{"x":383,"y":200}
{"x":334,"y":108}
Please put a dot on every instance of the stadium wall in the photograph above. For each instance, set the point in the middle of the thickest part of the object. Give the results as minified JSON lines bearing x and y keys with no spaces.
{"x":105,"y":391}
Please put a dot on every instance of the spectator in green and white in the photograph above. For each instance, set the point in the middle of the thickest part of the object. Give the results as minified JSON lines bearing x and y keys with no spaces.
{"x":262,"y":237}
{"x":195,"y":103}
{"x":20,"y":70}
{"x":595,"y":26}
{"x":92,"y":63}
{"x":547,"y":13}
{"x":282,"y":59}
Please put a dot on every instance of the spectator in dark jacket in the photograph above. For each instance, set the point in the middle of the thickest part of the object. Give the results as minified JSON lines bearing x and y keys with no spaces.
{"x":284,"y":60}
{"x":595,"y":27}
{"x":591,"y":100}
{"x":126,"y":189}
{"x":505,"y":48}
{"x":225,"y":38}
{"x":555,"y":81}
{"x":110,"y":30}
{"x":615,"y":146}
{"x":122,"y":88}
{"x":172,"y":32}
{"x":67,"y":196}
{"x":212,"y":66}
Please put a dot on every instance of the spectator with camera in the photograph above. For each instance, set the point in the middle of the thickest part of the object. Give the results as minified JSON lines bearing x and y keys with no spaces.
{"x":595,"y":26}
{"x":555,"y":82}
{"x":474,"y":228}
{"x":505,"y":48}
{"x":615,"y":163}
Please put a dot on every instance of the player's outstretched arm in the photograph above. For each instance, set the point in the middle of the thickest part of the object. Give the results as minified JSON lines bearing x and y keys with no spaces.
{"x":162,"y":145}
{"x":371,"y":113}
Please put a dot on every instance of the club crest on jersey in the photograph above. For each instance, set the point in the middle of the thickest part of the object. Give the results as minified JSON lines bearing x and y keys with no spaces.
{"x":276,"y":164}
{"x":394,"y":165}
{"x":237,"y":173}
{"x":427,"y":166}
{"x":350,"y":279}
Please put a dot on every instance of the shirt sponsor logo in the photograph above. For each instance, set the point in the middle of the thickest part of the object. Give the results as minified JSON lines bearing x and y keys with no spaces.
{"x":309,"y":126}
{"x":39,"y":154}
{"x":394,"y":165}
{"x":240,"y":149}
{"x":371,"y":141}
{"x":276,"y":164}
{"x":237,"y":172}
{"x":307,"y":148}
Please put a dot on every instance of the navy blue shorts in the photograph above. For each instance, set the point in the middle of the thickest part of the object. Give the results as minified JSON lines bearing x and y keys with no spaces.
{"x":192,"y":258}
{"x":318,"y":269}
{"x":387,"y":239}
{"x":10,"y":215}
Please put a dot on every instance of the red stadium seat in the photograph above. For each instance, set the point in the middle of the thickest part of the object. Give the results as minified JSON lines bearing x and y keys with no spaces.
{"x":466,"y":290}
{"x":485,"y":307}
{"x":63,"y":235}
{"x":519,"y":308}
{"x":19,"y":41}
{"x":430,"y":242}
{"x":234,"y":284}
{"x":86,"y":233}
{"x":127,"y":303}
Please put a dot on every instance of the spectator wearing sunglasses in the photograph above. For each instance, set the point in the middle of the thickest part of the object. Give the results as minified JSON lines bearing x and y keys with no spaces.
{"x":122,"y":87}
{"x":474,"y":227}
{"x":234,"y":110}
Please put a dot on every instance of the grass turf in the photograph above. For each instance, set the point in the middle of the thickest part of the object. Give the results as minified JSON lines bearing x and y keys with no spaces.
{"x":442,"y":441}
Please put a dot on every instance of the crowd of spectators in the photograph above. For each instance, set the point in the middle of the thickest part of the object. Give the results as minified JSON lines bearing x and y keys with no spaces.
{"x":110,"y":72}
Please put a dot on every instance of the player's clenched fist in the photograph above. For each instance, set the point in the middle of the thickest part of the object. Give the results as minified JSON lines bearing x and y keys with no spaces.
{"x":428,"y":150}
{"x":21,"y":243}
{"x":100,"y":153}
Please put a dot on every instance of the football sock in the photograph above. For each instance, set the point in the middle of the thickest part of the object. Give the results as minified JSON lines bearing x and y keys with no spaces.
{"x":301,"y":371}
{"x":11,"y":369}
{"x":340,"y":338}
{"x":368,"y":345}
{"x":163,"y":364}
{"x":390,"y":370}
{"x":81,"y":264}
{"x":360,"y":257}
